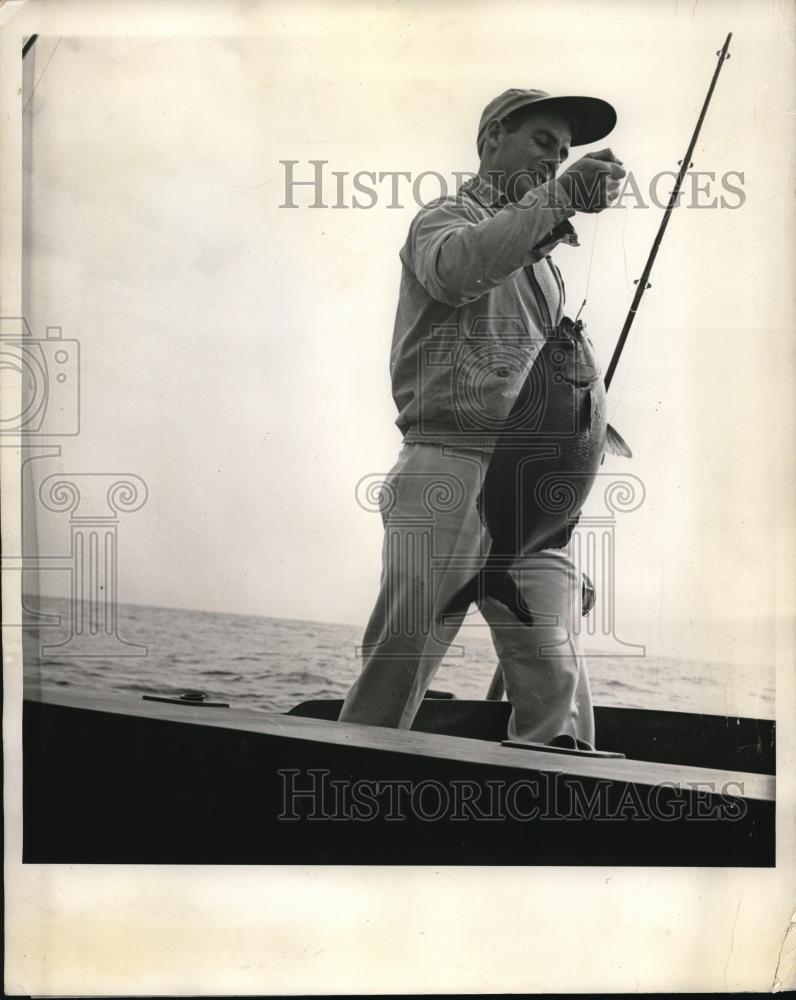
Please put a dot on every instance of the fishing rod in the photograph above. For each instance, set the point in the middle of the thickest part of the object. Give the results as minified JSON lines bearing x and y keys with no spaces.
{"x":29,"y":43}
{"x":497,"y":686}
{"x":643,"y":282}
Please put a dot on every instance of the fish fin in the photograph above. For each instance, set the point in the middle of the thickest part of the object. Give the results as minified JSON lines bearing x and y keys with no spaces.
{"x":588,"y":408}
{"x":615,"y":444}
{"x":593,"y":406}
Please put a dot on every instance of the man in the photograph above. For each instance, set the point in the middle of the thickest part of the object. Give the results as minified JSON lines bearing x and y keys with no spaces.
{"x":479,"y":294}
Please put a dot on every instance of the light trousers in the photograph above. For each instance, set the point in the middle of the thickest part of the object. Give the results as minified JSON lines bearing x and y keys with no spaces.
{"x":434,"y":544}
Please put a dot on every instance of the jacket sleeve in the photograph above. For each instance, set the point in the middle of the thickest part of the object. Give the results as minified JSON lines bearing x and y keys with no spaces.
{"x":458,"y":260}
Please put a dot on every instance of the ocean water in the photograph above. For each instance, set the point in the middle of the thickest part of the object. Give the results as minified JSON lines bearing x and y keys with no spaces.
{"x":271,"y":664}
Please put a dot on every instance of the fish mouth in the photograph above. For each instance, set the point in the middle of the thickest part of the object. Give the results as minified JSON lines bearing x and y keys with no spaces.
{"x":579,"y":383}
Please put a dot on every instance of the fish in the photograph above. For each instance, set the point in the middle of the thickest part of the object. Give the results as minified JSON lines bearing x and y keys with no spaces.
{"x":544,"y":464}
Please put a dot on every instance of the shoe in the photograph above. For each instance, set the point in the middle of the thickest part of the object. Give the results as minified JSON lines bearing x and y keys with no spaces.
{"x":567,"y":742}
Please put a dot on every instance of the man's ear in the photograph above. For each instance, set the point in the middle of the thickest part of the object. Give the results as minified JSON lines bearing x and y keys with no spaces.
{"x":494,"y":133}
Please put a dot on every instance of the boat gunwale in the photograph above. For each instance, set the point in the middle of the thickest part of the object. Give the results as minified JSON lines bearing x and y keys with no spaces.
{"x":678,"y":777}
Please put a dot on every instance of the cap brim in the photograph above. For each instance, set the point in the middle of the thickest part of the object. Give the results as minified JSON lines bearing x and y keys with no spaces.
{"x":590,"y":118}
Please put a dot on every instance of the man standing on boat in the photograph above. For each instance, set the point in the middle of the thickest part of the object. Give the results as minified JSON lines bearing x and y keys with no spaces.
{"x":479,"y":295}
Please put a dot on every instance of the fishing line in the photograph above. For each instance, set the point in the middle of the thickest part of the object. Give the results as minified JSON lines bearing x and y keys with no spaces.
{"x":629,"y":364}
{"x":591,"y":261}
{"x":594,"y":244}
{"x":624,"y":249}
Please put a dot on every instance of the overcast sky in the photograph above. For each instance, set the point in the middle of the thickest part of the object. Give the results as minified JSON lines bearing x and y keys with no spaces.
{"x":234,"y":353}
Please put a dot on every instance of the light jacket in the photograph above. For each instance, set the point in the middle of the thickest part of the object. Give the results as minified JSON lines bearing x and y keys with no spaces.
{"x":478,"y":295}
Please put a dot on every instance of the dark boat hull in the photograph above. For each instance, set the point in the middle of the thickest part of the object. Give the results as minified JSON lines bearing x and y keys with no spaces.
{"x":116,"y":780}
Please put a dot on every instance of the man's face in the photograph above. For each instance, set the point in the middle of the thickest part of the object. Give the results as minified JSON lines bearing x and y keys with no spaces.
{"x":531,"y":155}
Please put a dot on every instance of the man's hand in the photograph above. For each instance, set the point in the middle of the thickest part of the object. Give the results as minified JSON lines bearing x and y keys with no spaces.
{"x":592,"y":182}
